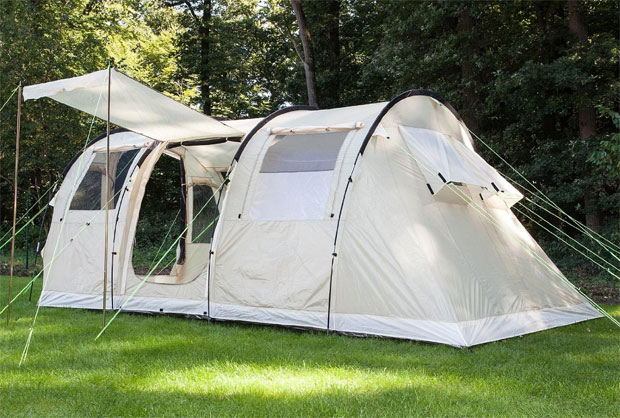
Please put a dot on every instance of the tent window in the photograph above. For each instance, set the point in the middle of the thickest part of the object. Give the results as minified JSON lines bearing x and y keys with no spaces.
{"x":303,"y":152}
{"x":201,"y":227}
{"x":91,"y":193}
{"x":296,"y":176}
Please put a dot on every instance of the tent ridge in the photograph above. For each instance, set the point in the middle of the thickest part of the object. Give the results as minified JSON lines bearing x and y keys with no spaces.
{"x":265,"y":121}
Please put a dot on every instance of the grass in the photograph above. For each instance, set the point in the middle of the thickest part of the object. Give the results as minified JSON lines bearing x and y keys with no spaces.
{"x":169,"y":366}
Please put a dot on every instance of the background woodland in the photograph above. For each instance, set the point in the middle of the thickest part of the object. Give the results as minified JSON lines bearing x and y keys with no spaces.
{"x":538,"y":81}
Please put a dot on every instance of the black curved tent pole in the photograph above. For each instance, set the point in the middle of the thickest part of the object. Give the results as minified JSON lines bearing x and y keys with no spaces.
{"x":264,"y":122}
{"x":90,"y":143}
{"x":371,"y":131}
{"x":400,"y":97}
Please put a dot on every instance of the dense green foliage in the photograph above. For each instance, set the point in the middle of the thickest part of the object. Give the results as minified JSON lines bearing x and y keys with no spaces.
{"x":167,"y":366}
{"x":521,"y":74}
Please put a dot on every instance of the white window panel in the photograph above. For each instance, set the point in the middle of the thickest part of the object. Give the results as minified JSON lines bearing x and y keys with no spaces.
{"x":291,"y":196}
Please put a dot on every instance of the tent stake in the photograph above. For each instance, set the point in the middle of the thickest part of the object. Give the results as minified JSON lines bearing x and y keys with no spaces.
{"x":107,"y":200}
{"x":19,"y":113}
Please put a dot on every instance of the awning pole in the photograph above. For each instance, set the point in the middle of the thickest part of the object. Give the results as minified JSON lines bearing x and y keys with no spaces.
{"x":19,"y":113}
{"x":107,"y":200}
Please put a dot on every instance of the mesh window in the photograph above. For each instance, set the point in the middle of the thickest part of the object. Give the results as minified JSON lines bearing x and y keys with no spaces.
{"x":201,"y":228}
{"x":303,"y":152}
{"x":91,"y":193}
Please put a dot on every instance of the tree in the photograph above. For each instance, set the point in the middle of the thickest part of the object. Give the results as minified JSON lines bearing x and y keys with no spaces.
{"x":308,"y":53}
{"x":330,"y":89}
{"x":200,"y":12}
{"x":538,"y":81}
{"x":323,"y":20}
{"x":467,"y":31}
{"x":47,"y":40}
{"x":586,"y":113}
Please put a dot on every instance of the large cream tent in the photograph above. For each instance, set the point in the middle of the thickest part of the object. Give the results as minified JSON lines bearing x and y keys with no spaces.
{"x":378,"y":219}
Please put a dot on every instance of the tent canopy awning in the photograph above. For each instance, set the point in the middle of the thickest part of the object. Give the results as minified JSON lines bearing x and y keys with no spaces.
{"x":133,"y":106}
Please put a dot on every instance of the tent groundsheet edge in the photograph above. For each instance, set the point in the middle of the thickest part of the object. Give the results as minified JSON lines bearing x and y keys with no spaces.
{"x":473,"y":332}
{"x":505,"y":326}
{"x":54,"y":299}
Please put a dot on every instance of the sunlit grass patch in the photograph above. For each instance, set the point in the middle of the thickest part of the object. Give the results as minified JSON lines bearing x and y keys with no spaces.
{"x":161,"y":365}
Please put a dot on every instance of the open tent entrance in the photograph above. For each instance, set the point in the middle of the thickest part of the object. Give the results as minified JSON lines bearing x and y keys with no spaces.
{"x":161,"y":219}
{"x":176,"y":202}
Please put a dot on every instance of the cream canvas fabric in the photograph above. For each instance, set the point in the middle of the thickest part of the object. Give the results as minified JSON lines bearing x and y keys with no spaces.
{"x":394,"y":259}
{"x":133,"y":106}
{"x":333,"y":219}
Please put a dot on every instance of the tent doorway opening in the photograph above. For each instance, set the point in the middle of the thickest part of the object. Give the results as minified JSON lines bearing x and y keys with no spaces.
{"x":177,"y":217}
{"x":161,"y":220}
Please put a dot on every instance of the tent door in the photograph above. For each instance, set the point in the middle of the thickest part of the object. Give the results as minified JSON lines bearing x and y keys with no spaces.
{"x":176,"y":210}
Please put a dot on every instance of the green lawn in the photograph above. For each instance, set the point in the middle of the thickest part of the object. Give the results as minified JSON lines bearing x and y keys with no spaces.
{"x":158,"y":365}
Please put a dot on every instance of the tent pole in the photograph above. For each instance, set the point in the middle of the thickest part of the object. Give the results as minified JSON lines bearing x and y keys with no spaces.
{"x":19,"y":113}
{"x":107,"y":201}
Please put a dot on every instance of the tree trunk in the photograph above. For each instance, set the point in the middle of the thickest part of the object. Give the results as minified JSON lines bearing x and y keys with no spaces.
{"x":575,"y":22}
{"x":331,"y":91}
{"x":467,"y":26}
{"x":551,"y":44}
{"x":308,"y":57}
{"x":205,"y":93}
{"x":586,"y":114}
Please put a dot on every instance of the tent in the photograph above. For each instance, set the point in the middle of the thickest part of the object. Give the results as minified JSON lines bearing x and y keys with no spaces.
{"x":378,"y":219}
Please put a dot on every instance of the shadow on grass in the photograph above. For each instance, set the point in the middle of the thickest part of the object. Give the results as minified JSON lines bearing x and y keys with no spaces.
{"x":158,"y":365}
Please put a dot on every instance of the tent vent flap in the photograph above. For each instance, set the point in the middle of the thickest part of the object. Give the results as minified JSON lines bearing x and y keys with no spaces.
{"x":444,"y":160}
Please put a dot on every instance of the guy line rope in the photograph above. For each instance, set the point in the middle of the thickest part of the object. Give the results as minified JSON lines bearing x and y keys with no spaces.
{"x":26,"y":214}
{"x":10,"y":97}
{"x":470,"y":202}
{"x":81,"y":159}
{"x":601,"y":240}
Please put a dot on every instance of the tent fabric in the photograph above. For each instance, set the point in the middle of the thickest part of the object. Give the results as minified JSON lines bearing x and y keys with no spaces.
{"x":291,"y":196}
{"x":445,"y":160}
{"x":448,"y":269}
{"x":406,"y":263}
{"x":133,"y":106}
{"x":124,"y":141}
{"x":214,"y":156}
{"x":316,"y":129}
{"x":243,"y":125}
{"x":316,"y":234}
{"x":83,"y":254}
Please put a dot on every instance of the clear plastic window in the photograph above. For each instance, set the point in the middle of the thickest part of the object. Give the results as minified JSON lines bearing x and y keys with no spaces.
{"x":91,"y":193}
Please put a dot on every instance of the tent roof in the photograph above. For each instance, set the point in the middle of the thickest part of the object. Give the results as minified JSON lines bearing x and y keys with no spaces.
{"x":419,"y":108}
{"x":243,"y":125}
{"x":133,"y":106}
